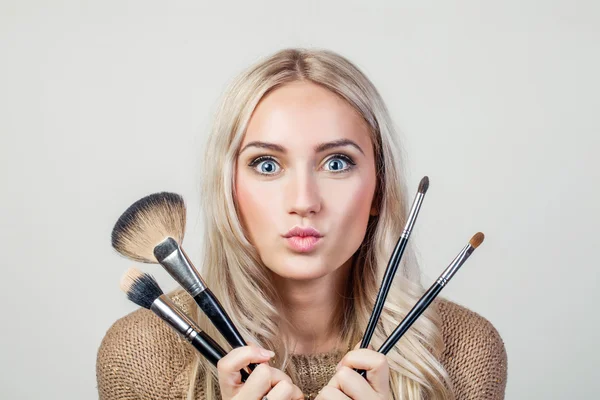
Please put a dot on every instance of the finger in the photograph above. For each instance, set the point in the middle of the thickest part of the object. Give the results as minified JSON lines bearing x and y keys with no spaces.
{"x":261,"y":381}
{"x":331,"y":393}
{"x":352,"y":384}
{"x":251,"y":343}
{"x":285,"y":390}
{"x":358,"y":346}
{"x":228,"y":367}
{"x":376,"y":365}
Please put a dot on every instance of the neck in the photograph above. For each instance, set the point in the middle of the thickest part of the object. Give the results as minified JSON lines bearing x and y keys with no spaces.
{"x":313,"y":309}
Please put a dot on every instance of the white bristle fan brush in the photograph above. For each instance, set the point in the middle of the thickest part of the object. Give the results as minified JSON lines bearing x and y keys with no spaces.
{"x":151,"y":231}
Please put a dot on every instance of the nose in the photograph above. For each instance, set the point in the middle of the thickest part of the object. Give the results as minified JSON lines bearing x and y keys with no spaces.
{"x":303,"y":195}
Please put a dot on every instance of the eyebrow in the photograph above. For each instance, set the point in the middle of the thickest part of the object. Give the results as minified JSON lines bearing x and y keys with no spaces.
{"x":318,"y":149}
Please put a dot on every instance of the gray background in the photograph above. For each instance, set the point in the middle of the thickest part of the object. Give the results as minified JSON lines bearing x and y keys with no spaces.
{"x":104,"y":102}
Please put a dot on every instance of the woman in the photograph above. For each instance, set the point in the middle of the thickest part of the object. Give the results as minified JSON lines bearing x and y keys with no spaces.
{"x":304,"y":201}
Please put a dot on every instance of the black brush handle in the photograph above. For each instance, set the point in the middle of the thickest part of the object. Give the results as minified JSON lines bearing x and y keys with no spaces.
{"x":213,"y":309}
{"x":407,"y":322}
{"x":208,"y":347}
{"x":411,"y":317}
{"x":211,"y":350}
{"x":384,"y":289}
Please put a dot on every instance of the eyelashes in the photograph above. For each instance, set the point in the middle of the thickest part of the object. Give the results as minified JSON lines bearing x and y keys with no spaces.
{"x":345,"y":158}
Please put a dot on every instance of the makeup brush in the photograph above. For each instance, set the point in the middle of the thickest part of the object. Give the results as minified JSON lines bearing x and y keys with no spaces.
{"x":151,"y":231}
{"x":394,"y":262}
{"x":430,"y":294}
{"x":143,"y":290}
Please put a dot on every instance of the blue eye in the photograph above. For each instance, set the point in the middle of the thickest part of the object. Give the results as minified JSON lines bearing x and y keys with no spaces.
{"x":335,"y":160}
{"x":267,"y":165}
{"x":262,"y":162}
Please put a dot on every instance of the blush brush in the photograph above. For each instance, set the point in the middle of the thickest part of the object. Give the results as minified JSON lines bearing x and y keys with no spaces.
{"x":151,"y":231}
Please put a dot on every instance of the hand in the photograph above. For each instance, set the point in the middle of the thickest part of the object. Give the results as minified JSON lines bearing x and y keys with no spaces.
{"x":263,"y":381}
{"x":348,"y":384}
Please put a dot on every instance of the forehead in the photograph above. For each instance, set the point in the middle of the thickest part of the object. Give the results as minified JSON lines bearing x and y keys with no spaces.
{"x":303,"y":113}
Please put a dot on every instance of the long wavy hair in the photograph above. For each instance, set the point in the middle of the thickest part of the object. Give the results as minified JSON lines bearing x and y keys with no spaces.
{"x":234,"y":270}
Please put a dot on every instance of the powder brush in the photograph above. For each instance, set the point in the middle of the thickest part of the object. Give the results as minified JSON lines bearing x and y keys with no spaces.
{"x":142,"y":289}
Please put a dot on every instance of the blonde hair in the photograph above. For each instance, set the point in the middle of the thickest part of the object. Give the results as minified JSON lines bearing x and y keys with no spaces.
{"x":233,"y":268}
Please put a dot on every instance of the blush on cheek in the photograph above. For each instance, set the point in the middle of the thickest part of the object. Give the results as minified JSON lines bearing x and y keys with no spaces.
{"x":354,"y":200}
{"x":257,"y":203}
{"x":352,"y":206}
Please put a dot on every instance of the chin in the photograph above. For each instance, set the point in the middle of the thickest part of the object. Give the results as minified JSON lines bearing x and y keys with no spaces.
{"x":307,"y":269}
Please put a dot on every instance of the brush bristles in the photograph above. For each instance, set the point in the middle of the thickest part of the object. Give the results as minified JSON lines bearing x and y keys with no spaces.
{"x":476,"y":240}
{"x":424,"y":185}
{"x":146,"y":223}
{"x":140,"y":287}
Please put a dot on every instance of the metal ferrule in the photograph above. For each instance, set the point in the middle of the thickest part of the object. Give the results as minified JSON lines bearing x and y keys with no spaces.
{"x":412,"y":216}
{"x":179,"y":266}
{"x":455,"y":265}
{"x":168,"y":312}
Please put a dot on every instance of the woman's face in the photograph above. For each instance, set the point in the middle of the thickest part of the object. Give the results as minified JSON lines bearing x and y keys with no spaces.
{"x":290,"y":173}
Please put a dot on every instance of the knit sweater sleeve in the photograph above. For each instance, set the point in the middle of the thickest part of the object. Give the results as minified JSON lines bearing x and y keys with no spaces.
{"x":475,"y":356}
{"x":141,"y":358}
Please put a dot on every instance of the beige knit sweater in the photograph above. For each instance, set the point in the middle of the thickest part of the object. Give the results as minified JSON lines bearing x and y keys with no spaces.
{"x":142,"y":358}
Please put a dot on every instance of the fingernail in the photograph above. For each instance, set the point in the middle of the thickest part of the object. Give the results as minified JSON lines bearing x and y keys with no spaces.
{"x":266,"y":353}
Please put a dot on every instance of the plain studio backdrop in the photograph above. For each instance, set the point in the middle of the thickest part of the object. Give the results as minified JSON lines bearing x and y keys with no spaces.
{"x":102,"y":103}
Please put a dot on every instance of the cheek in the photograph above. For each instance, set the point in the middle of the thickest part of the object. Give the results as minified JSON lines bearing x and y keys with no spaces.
{"x":353,"y":203}
{"x":256,"y":202}
{"x":351,"y":206}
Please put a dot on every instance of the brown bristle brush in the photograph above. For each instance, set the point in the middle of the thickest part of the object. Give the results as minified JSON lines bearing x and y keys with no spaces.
{"x":429,"y":295}
{"x":151,"y":230}
{"x":432,"y":292}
